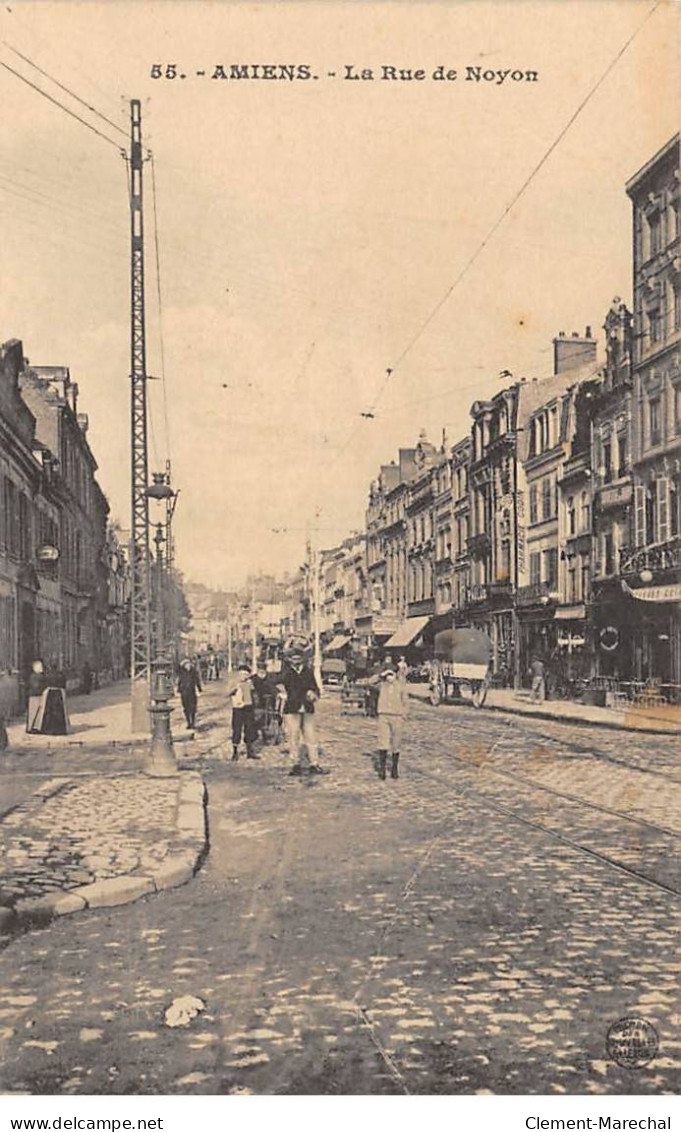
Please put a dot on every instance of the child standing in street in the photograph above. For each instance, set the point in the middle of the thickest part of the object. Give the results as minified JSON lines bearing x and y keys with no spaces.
{"x":393,"y":700}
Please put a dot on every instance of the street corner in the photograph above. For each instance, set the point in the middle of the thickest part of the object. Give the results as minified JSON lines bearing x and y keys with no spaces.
{"x":99,"y":843}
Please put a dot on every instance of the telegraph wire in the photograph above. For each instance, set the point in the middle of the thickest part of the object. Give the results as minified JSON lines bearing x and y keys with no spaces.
{"x":66,"y":89}
{"x":390,"y":370}
{"x":514,"y":200}
{"x":56,"y":102}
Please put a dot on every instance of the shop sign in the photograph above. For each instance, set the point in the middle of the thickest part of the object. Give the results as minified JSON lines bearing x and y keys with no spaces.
{"x":670,"y":592}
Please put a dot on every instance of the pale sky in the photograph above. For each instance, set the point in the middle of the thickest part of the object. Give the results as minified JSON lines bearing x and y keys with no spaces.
{"x":307,"y":230}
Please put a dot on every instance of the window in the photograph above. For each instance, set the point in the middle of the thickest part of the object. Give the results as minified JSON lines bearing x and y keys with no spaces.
{"x":650,"y":513}
{"x":585,"y":510}
{"x":505,"y":564}
{"x":655,"y":420}
{"x":674,"y":502}
{"x":533,"y":503}
{"x":608,"y":554}
{"x":621,"y":456}
{"x":547,"y":498}
{"x":551,"y":567}
{"x":572,"y":524}
{"x":585,"y":571}
{"x":677,"y":409}
{"x":535,"y":569}
{"x":607,"y":461}
{"x":572,"y":580}
{"x":677,"y":308}
{"x":655,"y":232}
{"x":656,"y":323}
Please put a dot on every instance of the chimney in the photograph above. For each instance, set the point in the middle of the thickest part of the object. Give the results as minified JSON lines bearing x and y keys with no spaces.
{"x":569,"y":353}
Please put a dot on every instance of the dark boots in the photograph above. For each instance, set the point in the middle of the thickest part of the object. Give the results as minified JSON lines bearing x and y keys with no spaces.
{"x":382,"y":760}
{"x":396,"y":761}
{"x":235,"y":753}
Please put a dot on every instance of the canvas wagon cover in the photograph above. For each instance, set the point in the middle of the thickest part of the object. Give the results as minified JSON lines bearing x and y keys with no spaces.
{"x":463,"y":646}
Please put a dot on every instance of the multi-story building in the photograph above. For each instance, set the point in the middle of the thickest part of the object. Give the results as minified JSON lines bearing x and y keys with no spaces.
{"x":651,"y":565}
{"x":545,"y":599}
{"x":460,"y":519}
{"x":606,"y":493}
{"x":29,"y":542}
{"x":518,"y":444}
{"x":386,"y":551}
{"x":53,"y":399}
{"x":421,"y":491}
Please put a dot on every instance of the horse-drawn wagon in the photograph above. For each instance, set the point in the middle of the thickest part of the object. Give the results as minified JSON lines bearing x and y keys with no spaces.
{"x":460,"y":669}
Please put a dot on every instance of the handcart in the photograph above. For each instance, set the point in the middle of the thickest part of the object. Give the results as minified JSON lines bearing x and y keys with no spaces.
{"x":461,"y":667}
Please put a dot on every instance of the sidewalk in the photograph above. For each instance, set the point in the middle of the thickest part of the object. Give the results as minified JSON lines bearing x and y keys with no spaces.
{"x":657,"y":721}
{"x":99,"y":832}
{"x":651,"y":721}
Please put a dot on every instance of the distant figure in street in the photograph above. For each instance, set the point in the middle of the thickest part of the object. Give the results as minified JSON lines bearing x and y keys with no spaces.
{"x":393,"y":701}
{"x":86,"y":679}
{"x":188,"y":684}
{"x":538,"y":674}
{"x":241,"y":691}
{"x":212,"y":666}
{"x":402,"y":669}
{"x":265,"y":691}
{"x":47,"y":711}
{"x":37,"y":683}
{"x":301,"y":693}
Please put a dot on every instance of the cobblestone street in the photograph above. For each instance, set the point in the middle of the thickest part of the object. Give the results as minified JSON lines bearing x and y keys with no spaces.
{"x":476,"y":926}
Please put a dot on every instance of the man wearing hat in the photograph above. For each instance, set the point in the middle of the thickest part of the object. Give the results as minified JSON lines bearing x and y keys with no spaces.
{"x":301,"y":692}
{"x":393,"y":699}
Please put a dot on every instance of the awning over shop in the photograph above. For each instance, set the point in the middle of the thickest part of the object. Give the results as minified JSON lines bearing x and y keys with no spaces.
{"x":336,"y":643}
{"x":407,"y":632}
{"x":671,"y":592}
{"x":571,"y":613}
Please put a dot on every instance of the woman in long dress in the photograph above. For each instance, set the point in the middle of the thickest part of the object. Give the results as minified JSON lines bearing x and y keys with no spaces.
{"x":36,"y":686}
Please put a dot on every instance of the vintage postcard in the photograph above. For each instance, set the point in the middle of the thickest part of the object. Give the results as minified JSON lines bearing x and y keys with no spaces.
{"x":340,"y":551}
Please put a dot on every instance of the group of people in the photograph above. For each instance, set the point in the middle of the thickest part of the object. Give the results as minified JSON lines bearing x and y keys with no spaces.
{"x":289,"y":696}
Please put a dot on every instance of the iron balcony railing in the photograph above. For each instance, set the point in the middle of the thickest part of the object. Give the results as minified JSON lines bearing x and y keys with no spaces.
{"x":658,"y":558}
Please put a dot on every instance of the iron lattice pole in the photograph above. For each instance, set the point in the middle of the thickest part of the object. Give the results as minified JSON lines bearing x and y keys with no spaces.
{"x":140,"y":627}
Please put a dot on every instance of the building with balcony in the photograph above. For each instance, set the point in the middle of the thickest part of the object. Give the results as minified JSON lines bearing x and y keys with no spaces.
{"x":649,"y":565}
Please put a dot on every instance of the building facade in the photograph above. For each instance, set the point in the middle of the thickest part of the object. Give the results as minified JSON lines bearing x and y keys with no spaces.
{"x":651,"y":564}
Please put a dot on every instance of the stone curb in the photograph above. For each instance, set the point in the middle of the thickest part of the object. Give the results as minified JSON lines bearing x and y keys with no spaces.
{"x":608,"y":724}
{"x":177,"y":869}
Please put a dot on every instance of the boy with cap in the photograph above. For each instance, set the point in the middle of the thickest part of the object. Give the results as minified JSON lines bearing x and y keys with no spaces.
{"x":393,"y":700}
{"x":240,"y":690}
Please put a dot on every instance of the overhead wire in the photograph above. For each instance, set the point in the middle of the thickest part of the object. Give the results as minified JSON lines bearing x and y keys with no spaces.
{"x":66,"y":89}
{"x":390,"y":370}
{"x":56,"y":102}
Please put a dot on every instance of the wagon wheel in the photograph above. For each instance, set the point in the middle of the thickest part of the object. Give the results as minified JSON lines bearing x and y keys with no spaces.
{"x":479,"y":691}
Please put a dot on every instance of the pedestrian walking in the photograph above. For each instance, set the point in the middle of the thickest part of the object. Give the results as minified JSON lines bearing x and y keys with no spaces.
{"x":301,"y":693}
{"x":393,"y":701}
{"x":402,"y":669}
{"x":188,"y":685}
{"x":242,"y":694}
{"x":538,"y":674}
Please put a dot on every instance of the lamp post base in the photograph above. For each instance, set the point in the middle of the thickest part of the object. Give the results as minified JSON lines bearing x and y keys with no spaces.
{"x":161,"y":762}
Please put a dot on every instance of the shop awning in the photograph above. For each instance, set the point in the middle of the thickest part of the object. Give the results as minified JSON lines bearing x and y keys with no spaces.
{"x":671,"y":592}
{"x":407,"y":632}
{"x":571,"y":613}
{"x":337,"y":642}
